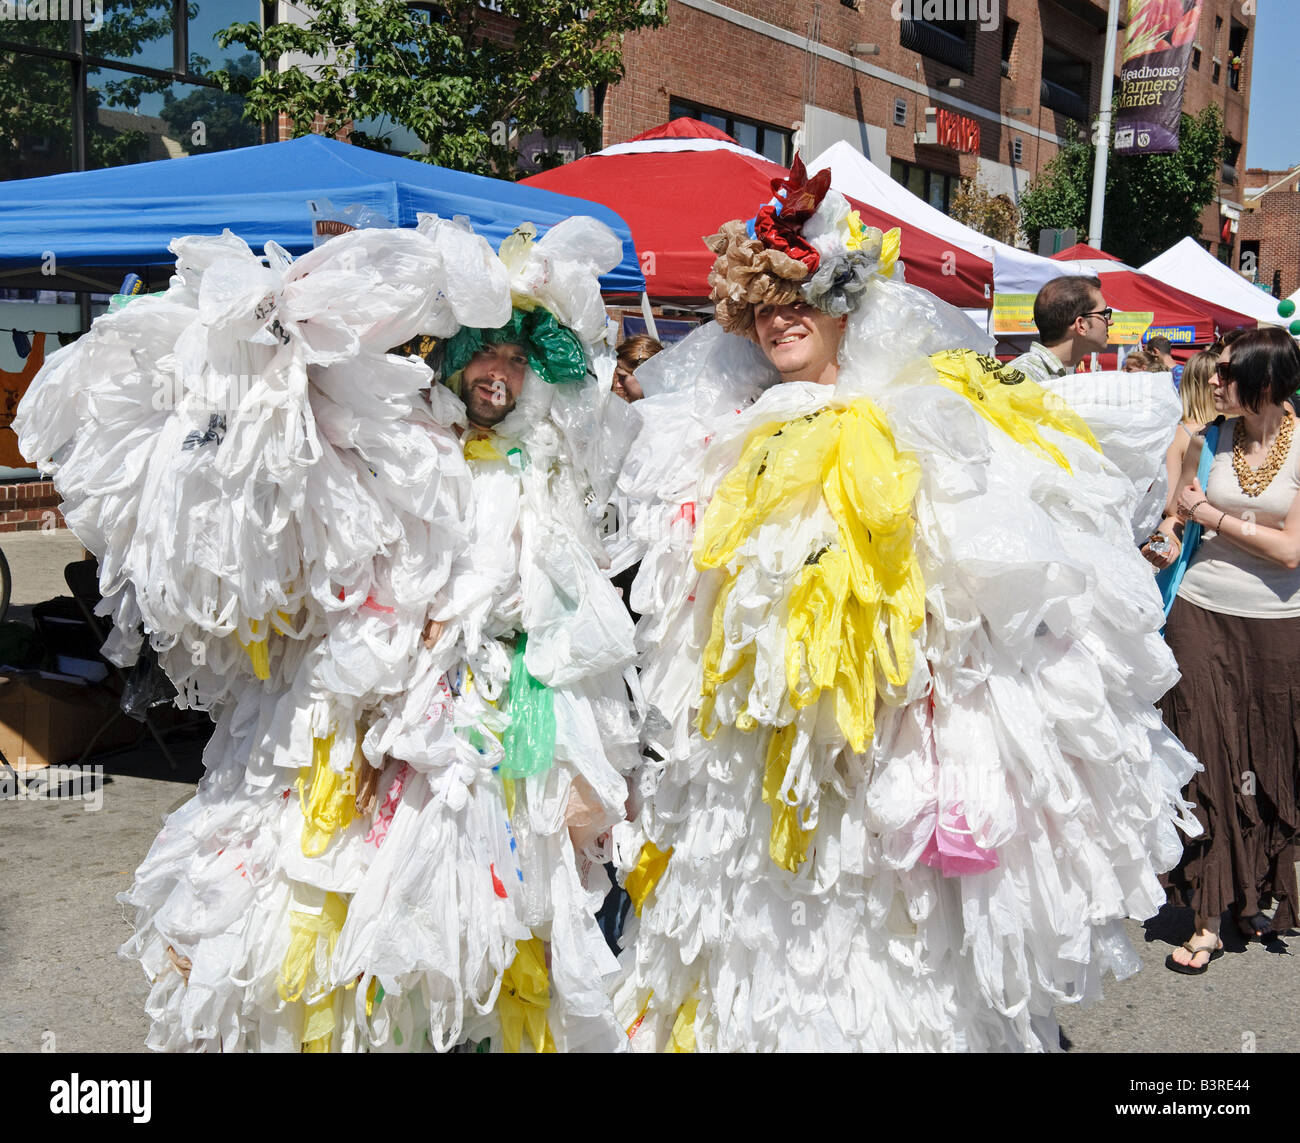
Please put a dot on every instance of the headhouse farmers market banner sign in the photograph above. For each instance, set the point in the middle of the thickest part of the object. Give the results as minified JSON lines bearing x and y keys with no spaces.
{"x":1157,"y":54}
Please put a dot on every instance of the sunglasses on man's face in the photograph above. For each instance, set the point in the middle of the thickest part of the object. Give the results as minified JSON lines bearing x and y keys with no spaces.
{"x":1105,"y":314}
{"x":1224,"y":371}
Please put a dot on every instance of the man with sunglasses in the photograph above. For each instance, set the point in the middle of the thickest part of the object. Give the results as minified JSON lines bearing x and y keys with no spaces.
{"x":1073,"y":321}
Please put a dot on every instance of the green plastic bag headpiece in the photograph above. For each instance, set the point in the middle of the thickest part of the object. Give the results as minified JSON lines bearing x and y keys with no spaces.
{"x":554,"y":353}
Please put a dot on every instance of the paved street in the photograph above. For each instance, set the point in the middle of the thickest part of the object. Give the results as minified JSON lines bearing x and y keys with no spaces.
{"x":65,"y":860}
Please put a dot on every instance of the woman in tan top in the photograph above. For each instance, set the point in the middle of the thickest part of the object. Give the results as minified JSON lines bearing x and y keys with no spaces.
{"x":1234,"y":629}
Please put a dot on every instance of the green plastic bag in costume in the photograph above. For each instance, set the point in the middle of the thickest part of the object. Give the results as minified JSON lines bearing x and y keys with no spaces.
{"x":530,"y":739}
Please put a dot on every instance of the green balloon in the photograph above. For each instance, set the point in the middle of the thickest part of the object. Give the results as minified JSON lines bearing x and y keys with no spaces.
{"x":1294,"y":328}
{"x":1286,"y":307}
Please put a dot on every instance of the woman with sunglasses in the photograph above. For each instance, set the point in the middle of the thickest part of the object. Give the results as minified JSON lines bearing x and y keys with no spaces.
{"x":1234,"y":628}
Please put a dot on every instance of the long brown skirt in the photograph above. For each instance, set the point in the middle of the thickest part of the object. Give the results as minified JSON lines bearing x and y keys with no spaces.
{"x":1237,"y":708}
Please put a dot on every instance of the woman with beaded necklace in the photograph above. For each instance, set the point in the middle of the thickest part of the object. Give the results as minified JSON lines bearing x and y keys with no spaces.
{"x":1234,"y":628}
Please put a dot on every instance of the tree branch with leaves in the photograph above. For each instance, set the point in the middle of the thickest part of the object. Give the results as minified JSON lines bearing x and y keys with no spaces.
{"x":993,"y":215}
{"x":1152,"y":201}
{"x":467,"y":81}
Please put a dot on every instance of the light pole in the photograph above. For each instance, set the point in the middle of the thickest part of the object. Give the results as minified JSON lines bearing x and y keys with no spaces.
{"x":1102,"y":139}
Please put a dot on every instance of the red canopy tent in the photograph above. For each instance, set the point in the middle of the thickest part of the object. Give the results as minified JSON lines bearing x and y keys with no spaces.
{"x":1128,"y":289}
{"x":680,"y":181}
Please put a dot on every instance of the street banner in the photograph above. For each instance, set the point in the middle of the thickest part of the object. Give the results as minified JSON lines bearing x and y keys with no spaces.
{"x":1153,"y":72}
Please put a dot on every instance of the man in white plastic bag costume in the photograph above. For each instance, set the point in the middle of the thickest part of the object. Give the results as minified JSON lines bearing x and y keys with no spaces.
{"x":289,"y":512}
{"x":901,"y":655}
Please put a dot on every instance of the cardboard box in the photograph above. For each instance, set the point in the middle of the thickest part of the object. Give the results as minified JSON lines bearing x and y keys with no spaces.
{"x":47,"y":722}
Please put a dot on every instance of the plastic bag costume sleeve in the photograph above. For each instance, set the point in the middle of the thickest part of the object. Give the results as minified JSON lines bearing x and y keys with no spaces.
{"x":1134,"y":417}
{"x":901,"y":655}
{"x":390,"y":848}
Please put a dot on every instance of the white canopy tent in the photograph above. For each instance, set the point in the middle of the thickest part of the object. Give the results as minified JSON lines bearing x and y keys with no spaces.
{"x":1188,"y":266}
{"x":1014,"y":271}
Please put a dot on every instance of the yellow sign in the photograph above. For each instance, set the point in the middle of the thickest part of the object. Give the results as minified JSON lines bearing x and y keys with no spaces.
{"x":1014,"y":313}
{"x":1128,"y":328}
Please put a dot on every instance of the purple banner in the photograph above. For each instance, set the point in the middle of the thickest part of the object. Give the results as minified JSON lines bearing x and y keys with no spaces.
{"x":1157,"y":53}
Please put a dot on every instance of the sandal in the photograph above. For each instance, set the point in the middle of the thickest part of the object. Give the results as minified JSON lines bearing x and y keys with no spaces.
{"x":1258,"y":927}
{"x":1192,"y":968}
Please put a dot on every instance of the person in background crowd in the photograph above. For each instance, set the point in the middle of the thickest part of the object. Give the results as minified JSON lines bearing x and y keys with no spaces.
{"x":1226,"y":339}
{"x":1234,"y":628}
{"x":1140,"y":361}
{"x":1198,"y":425}
{"x":633,"y":352}
{"x":1165,"y":353}
{"x":1073,"y":321}
{"x":1197,"y":395}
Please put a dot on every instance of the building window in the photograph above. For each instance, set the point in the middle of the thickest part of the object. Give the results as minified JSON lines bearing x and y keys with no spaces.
{"x":1231,"y":153}
{"x":1009,"y":30}
{"x":1017,"y":150}
{"x":948,"y":41}
{"x":131,"y":90}
{"x":1214,"y":74}
{"x":1067,"y":83}
{"x":900,"y":112}
{"x":771,"y":142}
{"x":1196,"y":58}
{"x":1236,"y":54}
{"x":934,"y":187}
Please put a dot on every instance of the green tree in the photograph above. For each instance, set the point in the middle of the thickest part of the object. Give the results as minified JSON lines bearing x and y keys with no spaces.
{"x":1152,"y":201}
{"x":979,"y":208}
{"x":468,"y":82}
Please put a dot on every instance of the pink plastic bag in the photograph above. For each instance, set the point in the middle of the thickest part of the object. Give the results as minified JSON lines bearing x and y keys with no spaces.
{"x":953,"y":849}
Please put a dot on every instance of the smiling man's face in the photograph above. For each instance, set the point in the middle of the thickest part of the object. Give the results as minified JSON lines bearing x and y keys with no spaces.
{"x":492,"y":382}
{"x":801,"y":341}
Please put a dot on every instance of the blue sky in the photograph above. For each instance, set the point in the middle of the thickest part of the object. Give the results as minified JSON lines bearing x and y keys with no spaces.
{"x":1272,"y":140}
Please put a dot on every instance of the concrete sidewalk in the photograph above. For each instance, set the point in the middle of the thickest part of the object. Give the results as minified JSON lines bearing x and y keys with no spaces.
{"x":36,"y":563}
{"x":71,"y":844}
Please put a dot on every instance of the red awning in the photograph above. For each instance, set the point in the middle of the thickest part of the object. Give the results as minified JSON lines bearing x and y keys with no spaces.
{"x":1125,"y":288}
{"x":679,"y":182}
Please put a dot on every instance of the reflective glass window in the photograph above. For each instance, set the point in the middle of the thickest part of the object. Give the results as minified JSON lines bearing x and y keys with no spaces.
{"x":137,"y":119}
{"x":134,"y":31}
{"x":746,"y":134}
{"x":55,"y":34}
{"x":36,"y":136}
{"x":207,"y":18}
{"x":774,"y":147}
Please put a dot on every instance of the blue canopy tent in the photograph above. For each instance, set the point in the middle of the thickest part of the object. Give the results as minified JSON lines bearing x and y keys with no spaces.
{"x":100,"y":224}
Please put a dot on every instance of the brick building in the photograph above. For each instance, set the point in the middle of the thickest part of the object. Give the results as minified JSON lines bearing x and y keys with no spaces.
{"x":1005,"y":83}
{"x":1270,"y":230}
